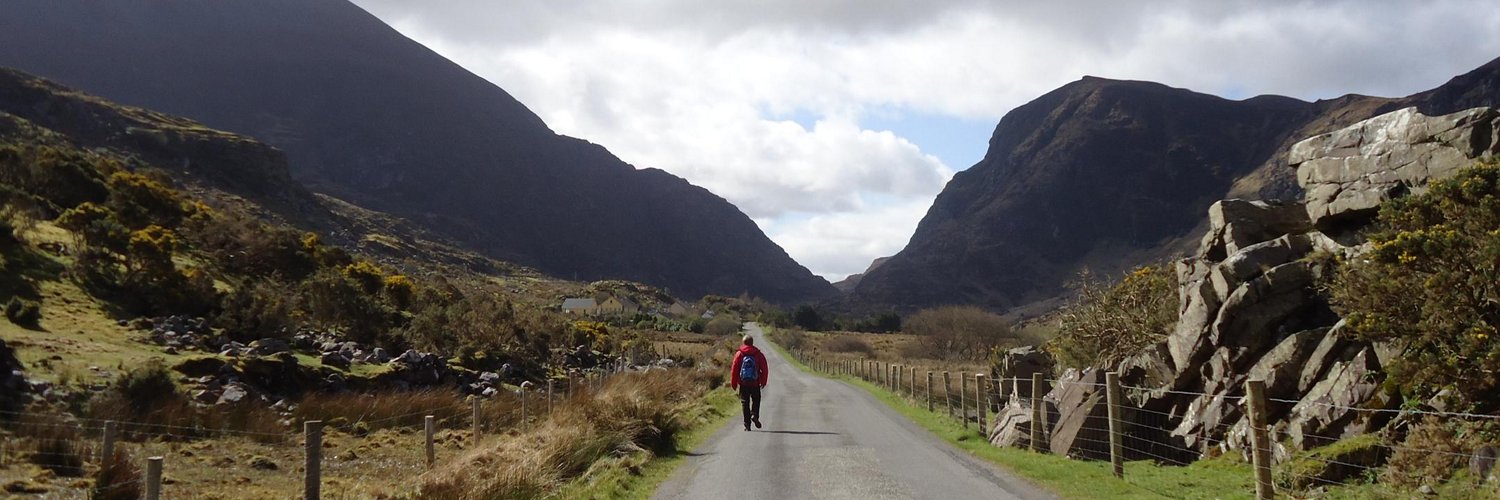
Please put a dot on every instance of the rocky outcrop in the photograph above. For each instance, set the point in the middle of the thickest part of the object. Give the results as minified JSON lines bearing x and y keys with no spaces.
{"x":1348,"y":173}
{"x":1250,"y":309}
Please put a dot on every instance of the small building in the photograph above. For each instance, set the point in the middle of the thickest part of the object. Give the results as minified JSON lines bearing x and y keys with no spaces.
{"x":582,"y":307}
{"x":677,"y":309}
{"x":618,"y":305}
{"x":709,"y":314}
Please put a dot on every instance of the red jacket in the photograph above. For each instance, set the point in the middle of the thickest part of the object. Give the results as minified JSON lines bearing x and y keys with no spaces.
{"x":760,"y":362}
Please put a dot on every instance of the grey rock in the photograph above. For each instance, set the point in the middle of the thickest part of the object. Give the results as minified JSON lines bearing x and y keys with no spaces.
{"x":267,"y":347}
{"x":1349,"y":172}
{"x":233,"y":393}
{"x":1327,"y":412}
{"x":1235,"y":224}
{"x":1019,"y":364}
{"x":335,"y":359}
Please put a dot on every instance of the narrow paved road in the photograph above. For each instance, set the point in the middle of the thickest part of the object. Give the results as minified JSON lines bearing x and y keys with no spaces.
{"x":827,"y":439}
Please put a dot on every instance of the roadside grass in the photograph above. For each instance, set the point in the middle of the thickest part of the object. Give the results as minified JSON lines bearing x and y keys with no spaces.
{"x":1217,"y":478}
{"x":628,"y":478}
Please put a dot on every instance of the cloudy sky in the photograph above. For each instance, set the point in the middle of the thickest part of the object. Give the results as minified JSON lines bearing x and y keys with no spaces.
{"x":834,"y":123}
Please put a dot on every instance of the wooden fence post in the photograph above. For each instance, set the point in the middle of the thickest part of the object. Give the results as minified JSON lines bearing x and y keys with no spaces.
{"x":981,"y":401}
{"x":1255,"y":390}
{"x":1038,"y":412}
{"x":523,"y":405}
{"x":929,"y":390}
{"x":107,"y":450}
{"x":312,"y":465}
{"x":427,"y":427}
{"x":900,"y":372}
{"x":963,"y":409}
{"x":948,"y":394}
{"x":475,"y":439}
{"x":153,"y":478}
{"x":549,"y":396}
{"x":1116,"y":433}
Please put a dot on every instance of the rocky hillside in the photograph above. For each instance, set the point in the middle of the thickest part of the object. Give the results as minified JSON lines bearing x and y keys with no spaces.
{"x":1254,"y":305}
{"x":1108,"y":175}
{"x":368,"y":115}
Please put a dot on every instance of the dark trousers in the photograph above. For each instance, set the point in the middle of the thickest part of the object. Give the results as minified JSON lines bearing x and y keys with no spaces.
{"x":750,"y":402}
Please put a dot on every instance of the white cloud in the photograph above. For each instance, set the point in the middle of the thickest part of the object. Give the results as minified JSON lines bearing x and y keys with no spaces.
{"x":700,"y":89}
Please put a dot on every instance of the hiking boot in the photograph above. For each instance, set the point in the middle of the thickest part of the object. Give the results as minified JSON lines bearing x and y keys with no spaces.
{"x":757,"y":422}
{"x":747,"y":427}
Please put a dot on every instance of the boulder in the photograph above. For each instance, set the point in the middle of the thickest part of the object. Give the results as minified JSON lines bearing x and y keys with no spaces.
{"x":1235,"y":224}
{"x":1019,"y":364}
{"x":1081,"y":429}
{"x":233,"y":393}
{"x":1197,"y":306}
{"x":1329,"y":411}
{"x":1349,"y":172}
{"x":1012,"y":425}
{"x":1249,"y":316}
{"x":335,"y":359}
{"x":267,"y":347}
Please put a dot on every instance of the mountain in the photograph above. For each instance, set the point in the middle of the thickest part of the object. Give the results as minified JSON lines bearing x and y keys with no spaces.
{"x":367,"y":115}
{"x":849,"y":282}
{"x":1106,"y":175}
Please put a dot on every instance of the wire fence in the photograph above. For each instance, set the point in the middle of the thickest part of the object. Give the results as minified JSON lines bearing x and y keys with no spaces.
{"x":353,"y":457}
{"x":1299,"y":450}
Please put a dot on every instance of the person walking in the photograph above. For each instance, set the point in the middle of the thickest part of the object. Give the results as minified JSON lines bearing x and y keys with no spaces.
{"x":747,"y":375}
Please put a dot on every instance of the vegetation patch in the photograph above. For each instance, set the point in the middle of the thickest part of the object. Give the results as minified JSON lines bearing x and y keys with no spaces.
{"x":1107,"y":322}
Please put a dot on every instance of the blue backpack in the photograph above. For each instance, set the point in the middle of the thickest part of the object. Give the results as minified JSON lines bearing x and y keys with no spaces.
{"x":749,"y":373}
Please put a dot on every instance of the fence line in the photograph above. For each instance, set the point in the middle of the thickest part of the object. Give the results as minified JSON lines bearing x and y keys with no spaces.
{"x":145,"y":438}
{"x":1138,"y":431}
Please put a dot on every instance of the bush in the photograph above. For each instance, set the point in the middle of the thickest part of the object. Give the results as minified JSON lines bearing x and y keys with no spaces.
{"x":23,"y":312}
{"x":959,"y":332}
{"x":722,"y":325}
{"x":849,"y":343}
{"x":1107,"y":323}
{"x":141,"y":201}
{"x":147,"y":387}
{"x":1430,"y":283}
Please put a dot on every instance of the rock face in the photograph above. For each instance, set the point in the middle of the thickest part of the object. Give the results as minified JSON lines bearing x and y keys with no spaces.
{"x":1135,"y":162}
{"x":1348,"y":173}
{"x":365,"y":114}
{"x":1249,"y":307}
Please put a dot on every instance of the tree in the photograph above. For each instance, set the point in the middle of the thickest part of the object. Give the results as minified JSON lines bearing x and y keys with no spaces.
{"x":807,"y":317}
{"x":958,"y":332}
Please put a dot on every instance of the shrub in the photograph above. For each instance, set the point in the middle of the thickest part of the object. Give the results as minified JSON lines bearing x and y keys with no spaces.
{"x":959,"y":332}
{"x":791,"y":339}
{"x":97,"y":226}
{"x":141,"y":201}
{"x":367,"y":275}
{"x":1430,"y":283}
{"x":722,"y":325}
{"x":60,"y":177}
{"x":849,"y":343}
{"x":147,"y":387}
{"x":23,"y":312}
{"x":256,"y":310}
{"x":1107,"y":323}
{"x":334,"y":300}
{"x":400,"y":290}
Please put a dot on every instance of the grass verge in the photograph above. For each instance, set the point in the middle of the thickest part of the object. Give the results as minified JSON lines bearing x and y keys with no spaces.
{"x":1068,"y":478}
{"x":627,"y":478}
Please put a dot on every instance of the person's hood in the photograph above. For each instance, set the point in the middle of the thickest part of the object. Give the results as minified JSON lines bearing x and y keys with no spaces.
{"x":749,"y":349}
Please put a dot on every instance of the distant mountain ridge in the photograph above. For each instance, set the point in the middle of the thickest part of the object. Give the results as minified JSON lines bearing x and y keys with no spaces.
{"x":1109,"y":174}
{"x":368,"y":115}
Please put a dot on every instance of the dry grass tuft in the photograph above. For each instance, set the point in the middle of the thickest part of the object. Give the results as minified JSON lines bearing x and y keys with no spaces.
{"x":849,"y":344}
{"x":384,"y":410}
{"x":57,"y":447}
{"x":634,"y":413}
{"x":118,"y":478}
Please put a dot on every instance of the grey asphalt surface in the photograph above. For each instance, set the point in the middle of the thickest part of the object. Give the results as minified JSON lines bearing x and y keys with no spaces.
{"x":825,"y":439}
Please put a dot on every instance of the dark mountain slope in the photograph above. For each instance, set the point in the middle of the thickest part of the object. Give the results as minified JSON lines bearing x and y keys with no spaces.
{"x":366,"y":114}
{"x":1108,"y":175}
